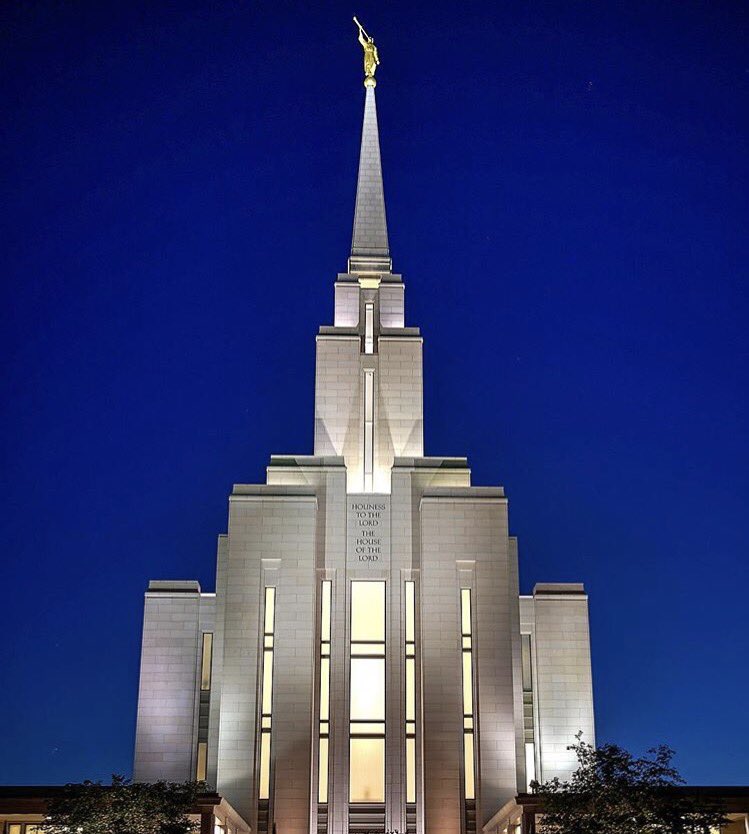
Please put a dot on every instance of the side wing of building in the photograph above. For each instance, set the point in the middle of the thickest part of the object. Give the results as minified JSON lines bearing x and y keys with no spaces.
{"x":175,"y":681}
{"x":556,"y":678}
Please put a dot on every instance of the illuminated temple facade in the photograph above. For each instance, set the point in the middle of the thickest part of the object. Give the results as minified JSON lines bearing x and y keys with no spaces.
{"x":367,"y":662}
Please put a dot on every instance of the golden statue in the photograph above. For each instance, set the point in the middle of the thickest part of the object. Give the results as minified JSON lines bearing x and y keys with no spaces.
{"x":371,"y":59}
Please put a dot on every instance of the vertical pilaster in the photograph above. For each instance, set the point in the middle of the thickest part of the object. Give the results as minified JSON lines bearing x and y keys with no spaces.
{"x":335,"y":562}
{"x":441,"y":665}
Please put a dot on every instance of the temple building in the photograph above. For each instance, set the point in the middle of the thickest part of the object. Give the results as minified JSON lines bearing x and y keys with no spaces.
{"x":366,"y":662}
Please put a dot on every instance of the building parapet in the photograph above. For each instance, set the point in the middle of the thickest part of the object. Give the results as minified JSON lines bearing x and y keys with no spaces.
{"x":431,"y":463}
{"x":174,"y":586}
{"x":565,"y":589}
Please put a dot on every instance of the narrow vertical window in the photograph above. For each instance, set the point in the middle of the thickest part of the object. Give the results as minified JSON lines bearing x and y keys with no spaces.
{"x":200,"y":770}
{"x":469,"y":756}
{"x":204,"y":705}
{"x":368,"y":429}
{"x":205,"y":663}
{"x":323,"y":752}
{"x":369,"y":327}
{"x":266,"y":692}
{"x":367,"y":694}
{"x":410,"y":692}
{"x":529,"y":730}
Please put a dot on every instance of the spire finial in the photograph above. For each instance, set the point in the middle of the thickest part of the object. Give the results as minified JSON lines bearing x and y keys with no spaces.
{"x":371,"y":59}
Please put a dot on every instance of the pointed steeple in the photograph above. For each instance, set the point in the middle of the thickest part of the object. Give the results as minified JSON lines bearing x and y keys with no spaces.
{"x":370,"y":251}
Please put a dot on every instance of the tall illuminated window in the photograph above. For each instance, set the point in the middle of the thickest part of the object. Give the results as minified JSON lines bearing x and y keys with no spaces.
{"x":369,"y":327}
{"x":368,"y":429}
{"x":202,"y":761}
{"x":469,"y":756}
{"x":529,"y":730}
{"x":323,"y":752}
{"x":410,"y":692}
{"x":204,"y":705}
{"x":205,"y":662}
{"x":269,"y":618}
{"x":367,"y":694}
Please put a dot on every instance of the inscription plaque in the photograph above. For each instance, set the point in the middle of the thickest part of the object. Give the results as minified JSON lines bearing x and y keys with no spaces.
{"x":368,"y":529}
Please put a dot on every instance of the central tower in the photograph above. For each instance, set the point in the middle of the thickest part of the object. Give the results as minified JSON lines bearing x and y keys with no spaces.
{"x":368,"y":385}
{"x":366,"y":663}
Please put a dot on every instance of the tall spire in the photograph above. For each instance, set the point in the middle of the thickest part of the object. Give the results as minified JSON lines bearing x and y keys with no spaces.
{"x":370,"y":251}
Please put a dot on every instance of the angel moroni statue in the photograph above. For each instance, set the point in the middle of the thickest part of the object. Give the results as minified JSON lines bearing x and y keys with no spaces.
{"x":371,"y":59}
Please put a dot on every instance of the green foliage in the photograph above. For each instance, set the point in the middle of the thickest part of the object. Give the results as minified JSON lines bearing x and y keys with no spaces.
{"x":613,"y":792}
{"x":123,"y":808}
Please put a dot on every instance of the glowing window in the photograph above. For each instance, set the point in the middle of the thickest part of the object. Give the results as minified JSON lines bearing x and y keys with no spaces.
{"x":530,"y":763}
{"x":322,"y":787}
{"x":369,"y":327}
{"x":410,"y":589}
{"x":529,"y":731}
{"x":324,"y":688}
{"x":375,"y":649}
{"x":410,"y":690}
{"x":367,"y":689}
{"x":368,"y":429}
{"x":200,"y":769}
{"x":325,"y":612}
{"x":410,"y":769}
{"x":267,"y":680}
{"x":465,"y":611}
{"x":324,"y":717}
{"x":367,"y":693}
{"x":469,"y":763}
{"x":367,"y":769}
{"x":265,"y":765}
{"x":366,"y":728}
{"x":205,"y":662}
{"x":467,"y":683}
{"x":367,"y":612}
{"x":410,"y":612}
{"x":525,"y":645}
{"x":270,"y":610}
{"x":266,"y":690}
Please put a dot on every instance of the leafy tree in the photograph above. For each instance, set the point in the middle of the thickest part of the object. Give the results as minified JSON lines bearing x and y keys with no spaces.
{"x":613,"y":792}
{"x":123,"y":807}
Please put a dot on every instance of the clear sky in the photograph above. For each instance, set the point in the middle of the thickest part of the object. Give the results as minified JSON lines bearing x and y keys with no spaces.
{"x":567,"y":196}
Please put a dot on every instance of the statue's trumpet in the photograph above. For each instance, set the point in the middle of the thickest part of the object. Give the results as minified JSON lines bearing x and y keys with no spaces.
{"x":362,"y":29}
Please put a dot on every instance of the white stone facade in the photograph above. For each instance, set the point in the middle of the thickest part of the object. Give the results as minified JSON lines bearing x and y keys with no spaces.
{"x":366,"y":506}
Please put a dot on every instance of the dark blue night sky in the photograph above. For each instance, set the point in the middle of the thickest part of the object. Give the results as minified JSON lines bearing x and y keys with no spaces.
{"x":567,"y":198}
